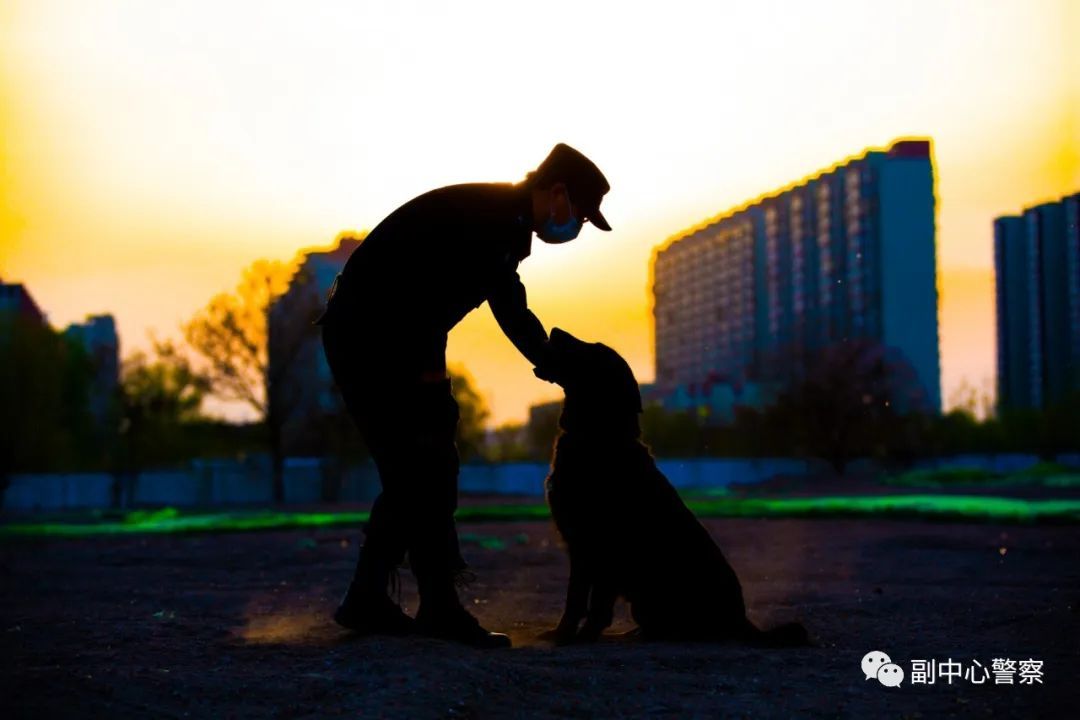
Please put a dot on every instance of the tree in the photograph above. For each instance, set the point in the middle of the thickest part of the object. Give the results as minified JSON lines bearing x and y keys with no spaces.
{"x":852,"y":402}
{"x":167,"y":390}
{"x":507,"y":443}
{"x":672,"y":433}
{"x":542,"y":429}
{"x":157,"y":398}
{"x":232,"y":335}
{"x":45,"y":423}
{"x":473,"y":413}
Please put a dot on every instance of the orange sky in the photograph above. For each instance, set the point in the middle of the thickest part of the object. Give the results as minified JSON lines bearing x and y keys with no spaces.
{"x":149,"y":152}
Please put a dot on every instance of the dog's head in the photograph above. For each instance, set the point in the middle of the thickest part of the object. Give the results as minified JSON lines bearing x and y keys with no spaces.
{"x":602,"y":393}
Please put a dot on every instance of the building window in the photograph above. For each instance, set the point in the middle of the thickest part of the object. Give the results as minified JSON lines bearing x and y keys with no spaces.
{"x":824,"y":244}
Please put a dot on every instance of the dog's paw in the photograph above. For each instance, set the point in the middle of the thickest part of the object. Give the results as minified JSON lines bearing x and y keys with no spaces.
{"x":588,"y":633}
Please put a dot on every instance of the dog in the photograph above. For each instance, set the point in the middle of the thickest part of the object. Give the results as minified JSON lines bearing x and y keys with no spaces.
{"x":626,"y":530}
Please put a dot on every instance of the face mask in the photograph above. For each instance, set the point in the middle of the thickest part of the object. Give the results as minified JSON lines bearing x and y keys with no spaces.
{"x":553,"y":233}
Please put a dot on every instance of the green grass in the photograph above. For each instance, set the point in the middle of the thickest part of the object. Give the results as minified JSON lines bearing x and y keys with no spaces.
{"x":934,"y":507}
{"x":170,"y":521}
{"x":963,"y":508}
{"x":1040,"y":475}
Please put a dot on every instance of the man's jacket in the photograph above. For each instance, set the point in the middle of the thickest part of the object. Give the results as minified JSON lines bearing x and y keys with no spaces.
{"x":435,"y":259}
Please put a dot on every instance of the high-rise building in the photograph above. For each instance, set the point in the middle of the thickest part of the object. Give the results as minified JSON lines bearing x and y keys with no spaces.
{"x":743,"y":301}
{"x":1011,"y":291}
{"x":297,"y":362}
{"x":16,"y":301}
{"x":1072,"y":261}
{"x":97,"y":335}
{"x":1037,"y":270}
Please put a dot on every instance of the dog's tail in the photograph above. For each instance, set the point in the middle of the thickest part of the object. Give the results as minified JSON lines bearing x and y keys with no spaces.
{"x":790,"y":634}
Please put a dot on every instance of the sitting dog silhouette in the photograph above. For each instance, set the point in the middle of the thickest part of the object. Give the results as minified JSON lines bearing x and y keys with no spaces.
{"x":627,"y":531}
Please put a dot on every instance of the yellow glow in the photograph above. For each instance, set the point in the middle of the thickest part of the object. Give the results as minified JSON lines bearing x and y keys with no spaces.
{"x":149,"y":151}
{"x":291,"y":626}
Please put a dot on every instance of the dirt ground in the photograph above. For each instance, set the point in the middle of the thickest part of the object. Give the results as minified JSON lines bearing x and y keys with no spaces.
{"x":237,"y":625}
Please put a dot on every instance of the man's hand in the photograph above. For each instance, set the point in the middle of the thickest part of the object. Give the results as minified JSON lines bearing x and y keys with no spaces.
{"x":548,"y":367}
{"x":545,"y":372}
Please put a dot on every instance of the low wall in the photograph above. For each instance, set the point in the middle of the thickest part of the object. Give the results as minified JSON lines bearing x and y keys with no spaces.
{"x":1003,"y":463}
{"x":237,"y":484}
{"x":225,"y":484}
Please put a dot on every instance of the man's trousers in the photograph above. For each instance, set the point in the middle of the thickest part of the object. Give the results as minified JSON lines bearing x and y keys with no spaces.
{"x":409,"y":426}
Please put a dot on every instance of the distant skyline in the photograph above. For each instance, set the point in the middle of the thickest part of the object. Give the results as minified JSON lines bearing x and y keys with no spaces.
{"x":148,"y":153}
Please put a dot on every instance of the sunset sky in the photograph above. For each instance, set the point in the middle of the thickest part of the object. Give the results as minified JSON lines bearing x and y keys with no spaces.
{"x":151,"y":150}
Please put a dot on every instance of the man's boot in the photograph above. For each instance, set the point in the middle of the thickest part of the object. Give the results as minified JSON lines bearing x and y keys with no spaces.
{"x":366,"y":609}
{"x":441,"y":615}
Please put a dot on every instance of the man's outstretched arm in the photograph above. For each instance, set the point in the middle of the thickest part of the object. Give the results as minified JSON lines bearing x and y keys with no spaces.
{"x":511,"y":310}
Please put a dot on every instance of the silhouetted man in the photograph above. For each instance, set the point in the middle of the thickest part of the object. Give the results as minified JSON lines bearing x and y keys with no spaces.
{"x":411,"y":280}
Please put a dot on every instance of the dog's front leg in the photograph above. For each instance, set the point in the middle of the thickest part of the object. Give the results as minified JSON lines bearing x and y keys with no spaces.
{"x":577,"y":598}
{"x":601,"y":612}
